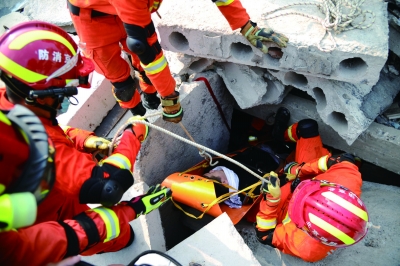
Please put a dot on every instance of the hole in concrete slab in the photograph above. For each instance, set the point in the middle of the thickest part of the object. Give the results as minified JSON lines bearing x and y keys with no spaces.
{"x":200,"y":65}
{"x":320,"y":98}
{"x":241,"y":51}
{"x":296,"y":80}
{"x":179,"y":41}
{"x":338,"y":122}
{"x":352,"y":66}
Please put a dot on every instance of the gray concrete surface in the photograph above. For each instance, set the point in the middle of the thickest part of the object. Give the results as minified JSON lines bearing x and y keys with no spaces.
{"x":358,"y":57}
{"x":217,"y":243}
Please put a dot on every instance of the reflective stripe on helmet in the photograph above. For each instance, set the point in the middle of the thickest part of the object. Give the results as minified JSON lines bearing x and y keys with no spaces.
{"x":26,"y":38}
{"x":156,"y":66}
{"x":19,"y":71}
{"x":224,"y":2}
{"x":322,"y":163}
{"x":119,"y":160}
{"x":331,"y":229}
{"x":266,"y":224}
{"x":111,"y":222}
{"x":346,"y":205}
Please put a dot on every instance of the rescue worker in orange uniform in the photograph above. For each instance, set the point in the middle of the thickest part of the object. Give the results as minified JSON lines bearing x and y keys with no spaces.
{"x":128,"y":24}
{"x":40,"y":66}
{"x":283,"y":219}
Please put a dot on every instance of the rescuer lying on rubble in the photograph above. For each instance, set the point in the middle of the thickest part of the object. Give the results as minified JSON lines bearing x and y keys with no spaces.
{"x":129,"y":24}
{"x":320,"y":210}
{"x":40,"y":65}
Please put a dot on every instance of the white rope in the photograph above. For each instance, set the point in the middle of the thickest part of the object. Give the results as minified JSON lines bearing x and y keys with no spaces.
{"x":200,"y":147}
{"x":335,"y":20}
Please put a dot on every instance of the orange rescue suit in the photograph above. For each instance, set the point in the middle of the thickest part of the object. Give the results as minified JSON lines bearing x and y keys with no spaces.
{"x":101,"y":37}
{"x":287,"y":237}
{"x":47,"y":239}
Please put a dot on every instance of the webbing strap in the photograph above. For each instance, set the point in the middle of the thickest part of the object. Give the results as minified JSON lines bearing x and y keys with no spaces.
{"x":89,"y":227}
{"x":72,"y":240}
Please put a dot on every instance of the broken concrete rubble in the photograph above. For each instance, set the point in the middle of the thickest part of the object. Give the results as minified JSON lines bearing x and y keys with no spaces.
{"x":358,"y":57}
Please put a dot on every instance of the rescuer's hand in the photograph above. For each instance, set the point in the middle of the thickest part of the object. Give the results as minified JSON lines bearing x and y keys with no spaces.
{"x":257,"y":36}
{"x":292,"y":170}
{"x":172,"y":110}
{"x":154,"y":198}
{"x":139,"y":130}
{"x":344,"y":157}
{"x":94,"y":143}
{"x":272,"y":189}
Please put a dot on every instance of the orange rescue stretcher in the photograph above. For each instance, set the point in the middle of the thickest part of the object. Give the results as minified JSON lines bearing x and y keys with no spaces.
{"x":191,"y":191}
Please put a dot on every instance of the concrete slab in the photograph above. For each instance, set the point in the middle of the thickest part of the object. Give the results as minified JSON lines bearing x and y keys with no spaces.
{"x":348,"y":108}
{"x":203,"y":122}
{"x":217,"y":243}
{"x":379,"y":247}
{"x":148,"y":235}
{"x":198,"y":29}
{"x":9,"y":6}
{"x":93,"y":105}
{"x":10,"y":20}
{"x":248,"y":85}
{"x":378,"y":144}
{"x":52,"y":11}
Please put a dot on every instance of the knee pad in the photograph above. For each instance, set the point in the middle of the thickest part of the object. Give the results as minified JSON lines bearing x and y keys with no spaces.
{"x":307,"y":128}
{"x":124,"y":90}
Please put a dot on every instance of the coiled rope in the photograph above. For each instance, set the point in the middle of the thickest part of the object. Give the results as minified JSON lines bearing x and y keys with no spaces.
{"x":335,"y":19}
{"x":132,"y":120}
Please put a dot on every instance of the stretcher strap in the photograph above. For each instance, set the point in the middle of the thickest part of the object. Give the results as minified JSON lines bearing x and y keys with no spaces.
{"x":219,"y":199}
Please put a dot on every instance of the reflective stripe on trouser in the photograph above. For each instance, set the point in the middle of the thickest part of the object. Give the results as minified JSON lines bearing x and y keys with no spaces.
{"x":111,"y":222}
{"x":266,"y":224}
{"x":118,"y":160}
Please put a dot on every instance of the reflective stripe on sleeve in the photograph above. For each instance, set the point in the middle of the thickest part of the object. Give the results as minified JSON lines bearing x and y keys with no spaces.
{"x":290,"y":133}
{"x":111,"y":222}
{"x":223,"y":2}
{"x":287,"y":219}
{"x":119,"y":160}
{"x":322,"y":163}
{"x":266,"y":224}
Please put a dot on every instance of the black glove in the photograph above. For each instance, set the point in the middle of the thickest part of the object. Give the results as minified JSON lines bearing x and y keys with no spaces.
{"x":340,"y":158}
{"x":154,"y":198}
{"x":264,"y":237}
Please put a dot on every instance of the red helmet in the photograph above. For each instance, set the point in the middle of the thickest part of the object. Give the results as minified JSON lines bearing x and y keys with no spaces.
{"x":329,"y":212}
{"x":42,"y":55}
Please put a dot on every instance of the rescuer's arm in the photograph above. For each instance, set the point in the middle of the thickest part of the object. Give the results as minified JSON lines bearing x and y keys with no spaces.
{"x":268,"y":211}
{"x":104,"y":182}
{"x":237,"y":17}
{"x":90,"y":232}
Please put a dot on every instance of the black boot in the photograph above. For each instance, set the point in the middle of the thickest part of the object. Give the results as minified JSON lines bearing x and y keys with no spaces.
{"x":150,"y":100}
{"x":138,"y":110}
{"x":281,"y":123}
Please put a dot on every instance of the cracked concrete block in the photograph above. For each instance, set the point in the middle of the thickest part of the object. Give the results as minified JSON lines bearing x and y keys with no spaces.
{"x":198,"y":28}
{"x":217,"y":243}
{"x":203,"y":122}
{"x":186,"y":64}
{"x":52,"y":11}
{"x":93,"y":105}
{"x":11,"y":20}
{"x":348,"y":108}
{"x":248,"y":86}
{"x":378,"y":144}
